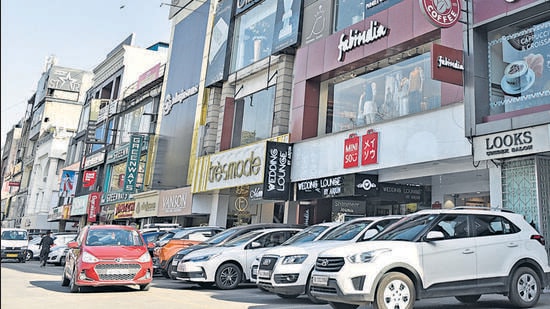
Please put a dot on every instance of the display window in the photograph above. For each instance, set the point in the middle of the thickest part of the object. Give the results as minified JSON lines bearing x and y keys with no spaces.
{"x":253,"y":36}
{"x":118,"y":171}
{"x":519,"y":67}
{"x":349,"y":12}
{"x":135,"y":122}
{"x":253,"y":117}
{"x":394,"y":91}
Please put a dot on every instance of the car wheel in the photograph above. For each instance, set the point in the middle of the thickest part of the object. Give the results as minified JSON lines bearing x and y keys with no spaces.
{"x":287,"y":296}
{"x":228,"y":276}
{"x":342,"y":305}
{"x":64,"y":280}
{"x":312,"y":298}
{"x":468,"y":299}
{"x":525,"y":288}
{"x":395,"y":290}
{"x":28,"y":255}
{"x":72,"y":284}
{"x":144,"y":287}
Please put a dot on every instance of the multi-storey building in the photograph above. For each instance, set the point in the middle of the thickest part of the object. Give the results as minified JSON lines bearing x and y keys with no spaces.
{"x":11,"y":176}
{"x":105,"y":129}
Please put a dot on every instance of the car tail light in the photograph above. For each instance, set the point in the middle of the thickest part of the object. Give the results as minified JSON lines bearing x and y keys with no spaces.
{"x":538,"y":238}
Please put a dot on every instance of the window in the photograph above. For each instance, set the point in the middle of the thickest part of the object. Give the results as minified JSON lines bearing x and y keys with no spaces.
{"x":253,"y":35}
{"x":493,"y":225}
{"x":519,"y":67}
{"x":453,"y":226}
{"x":253,"y":117}
{"x":394,"y":91}
{"x":349,"y":12}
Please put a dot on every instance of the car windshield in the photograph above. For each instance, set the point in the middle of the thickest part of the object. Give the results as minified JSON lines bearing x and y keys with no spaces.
{"x":306,"y":235}
{"x":14,"y":235}
{"x":113,"y":237}
{"x":408,"y":229}
{"x":242,"y":239}
{"x":347,"y":231}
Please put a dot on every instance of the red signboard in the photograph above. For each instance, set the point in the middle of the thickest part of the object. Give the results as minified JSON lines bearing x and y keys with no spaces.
{"x":88,"y":178}
{"x":14,"y":183}
{"x":351,"y":151}
{"x":93,"y":206}
{"x":369,"y":148}
{"x":447,"y":64}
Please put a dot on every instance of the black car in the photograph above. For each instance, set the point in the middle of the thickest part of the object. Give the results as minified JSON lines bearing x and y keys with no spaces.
{"x":220,"y":239}
{"x":151,"y":238}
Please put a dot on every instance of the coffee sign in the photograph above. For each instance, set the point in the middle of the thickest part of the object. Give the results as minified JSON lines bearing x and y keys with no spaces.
{"x":441,"y":13}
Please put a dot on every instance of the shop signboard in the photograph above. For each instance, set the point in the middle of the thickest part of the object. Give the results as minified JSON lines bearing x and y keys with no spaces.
{"x":342,"y":185}
{"x":132,"y":165}
{"x":175,"y":202}
{"x":124,"y":210}
{"x":79,"y":206}
{"x":366,"y":185}
{"x":447,"y":64}
{"x":369,"y":148}
{"x":278,"y":160}
{"x":93,"y":206}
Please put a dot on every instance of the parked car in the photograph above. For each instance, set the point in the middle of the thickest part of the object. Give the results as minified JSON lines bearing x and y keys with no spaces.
{"x":462,"y":253}
{"x":151,"y":238}
{"x":107,"y":255}
{"x":221,"y":238}
{"x":15,"y":242}
{"x":184,"y":237}
{"x":225,"y":265}
{"x":285,"y":270}
{"x":308,"y":234}
{"x":159,"y":227}
{"x":33,"y":250}
{"x":57,"y":255}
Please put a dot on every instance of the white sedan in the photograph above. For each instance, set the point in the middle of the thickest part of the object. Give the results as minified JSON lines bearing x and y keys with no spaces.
{"x":226,"y":265}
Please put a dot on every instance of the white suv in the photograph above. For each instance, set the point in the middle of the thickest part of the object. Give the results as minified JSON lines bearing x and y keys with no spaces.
{"x":285,"y":270}
{"x":437,"y":253}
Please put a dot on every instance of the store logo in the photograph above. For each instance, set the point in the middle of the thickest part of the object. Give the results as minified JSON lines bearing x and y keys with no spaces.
{"x":358,"y":38}
{"x":366,"y":185}
{"x":441,"y":13}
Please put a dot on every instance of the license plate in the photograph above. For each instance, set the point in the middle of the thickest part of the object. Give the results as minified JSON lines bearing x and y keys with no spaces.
{"x":264,"y":273}
{"x":12,"y":255}
{"x":319,"y":280}
{"x":116,"y":271}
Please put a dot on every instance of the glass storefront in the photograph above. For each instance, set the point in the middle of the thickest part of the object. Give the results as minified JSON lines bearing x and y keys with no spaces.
{"x":394,"y":91}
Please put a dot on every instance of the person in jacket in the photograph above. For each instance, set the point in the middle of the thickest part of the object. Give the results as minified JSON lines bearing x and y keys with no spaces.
{"x":45,"y":245}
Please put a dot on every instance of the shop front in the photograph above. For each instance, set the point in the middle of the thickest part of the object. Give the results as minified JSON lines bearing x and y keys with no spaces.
{"x":248,"y":184}
{"x":146,"y":208}
{"x":176,"y":206}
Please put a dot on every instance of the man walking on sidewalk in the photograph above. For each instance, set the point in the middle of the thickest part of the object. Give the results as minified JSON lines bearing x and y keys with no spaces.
{"x":45,"y":244}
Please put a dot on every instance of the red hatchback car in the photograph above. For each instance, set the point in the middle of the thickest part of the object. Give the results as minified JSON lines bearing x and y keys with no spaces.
{"x":107,"y":255}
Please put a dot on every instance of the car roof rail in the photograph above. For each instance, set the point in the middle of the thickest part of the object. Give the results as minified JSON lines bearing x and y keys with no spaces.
{"x":484,"y":208}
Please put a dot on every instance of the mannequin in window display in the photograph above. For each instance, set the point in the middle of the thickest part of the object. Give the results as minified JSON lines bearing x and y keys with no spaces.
{"x":287,"y":15}
{"x":403,"y":96}
{"x":416,"y":79}
{"x":367,"y":105}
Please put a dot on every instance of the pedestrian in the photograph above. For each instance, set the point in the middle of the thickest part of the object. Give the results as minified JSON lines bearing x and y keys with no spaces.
{"x":45,"y":244}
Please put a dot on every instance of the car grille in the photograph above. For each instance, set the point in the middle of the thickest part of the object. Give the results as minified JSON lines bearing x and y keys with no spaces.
{"x":327,"y":290}
{"x":117,"y":272}
{"x":267,"y":263}
{"x":329,"y":264}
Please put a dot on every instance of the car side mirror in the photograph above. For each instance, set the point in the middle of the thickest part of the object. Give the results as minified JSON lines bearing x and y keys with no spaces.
{"x":72,"y":245}
{"x":434,"y":235}
{"x":255,"y":245}
{"x":370,"y":234}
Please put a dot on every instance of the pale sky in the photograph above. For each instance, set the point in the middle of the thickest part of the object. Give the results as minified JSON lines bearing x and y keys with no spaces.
{"x":79,"y":33}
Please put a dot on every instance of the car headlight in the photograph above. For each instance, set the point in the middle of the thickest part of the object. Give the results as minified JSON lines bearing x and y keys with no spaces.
{"x":144,"y":258}
{"x":295,"y":259}
{"x":203,"y":257}
{"x":88,"y":258}
{"x":366,"y":256}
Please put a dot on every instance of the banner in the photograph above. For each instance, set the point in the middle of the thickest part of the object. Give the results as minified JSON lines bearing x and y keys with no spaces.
{"x":132,"y":165}
{"x":68,"y":184}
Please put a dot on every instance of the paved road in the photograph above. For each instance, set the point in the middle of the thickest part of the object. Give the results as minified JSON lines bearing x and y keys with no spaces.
{"x":29,"y":286}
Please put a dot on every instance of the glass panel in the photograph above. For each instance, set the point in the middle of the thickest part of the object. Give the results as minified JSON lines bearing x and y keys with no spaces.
{"x":253,"y":117}
{"x":253,"y":35}
{"x":519,"y":67}
{"x":394,"y":91}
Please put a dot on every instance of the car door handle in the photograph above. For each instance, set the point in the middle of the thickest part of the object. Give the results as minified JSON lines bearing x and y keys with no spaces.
{"x":468,"y":251}
{"x":512,"y":245}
